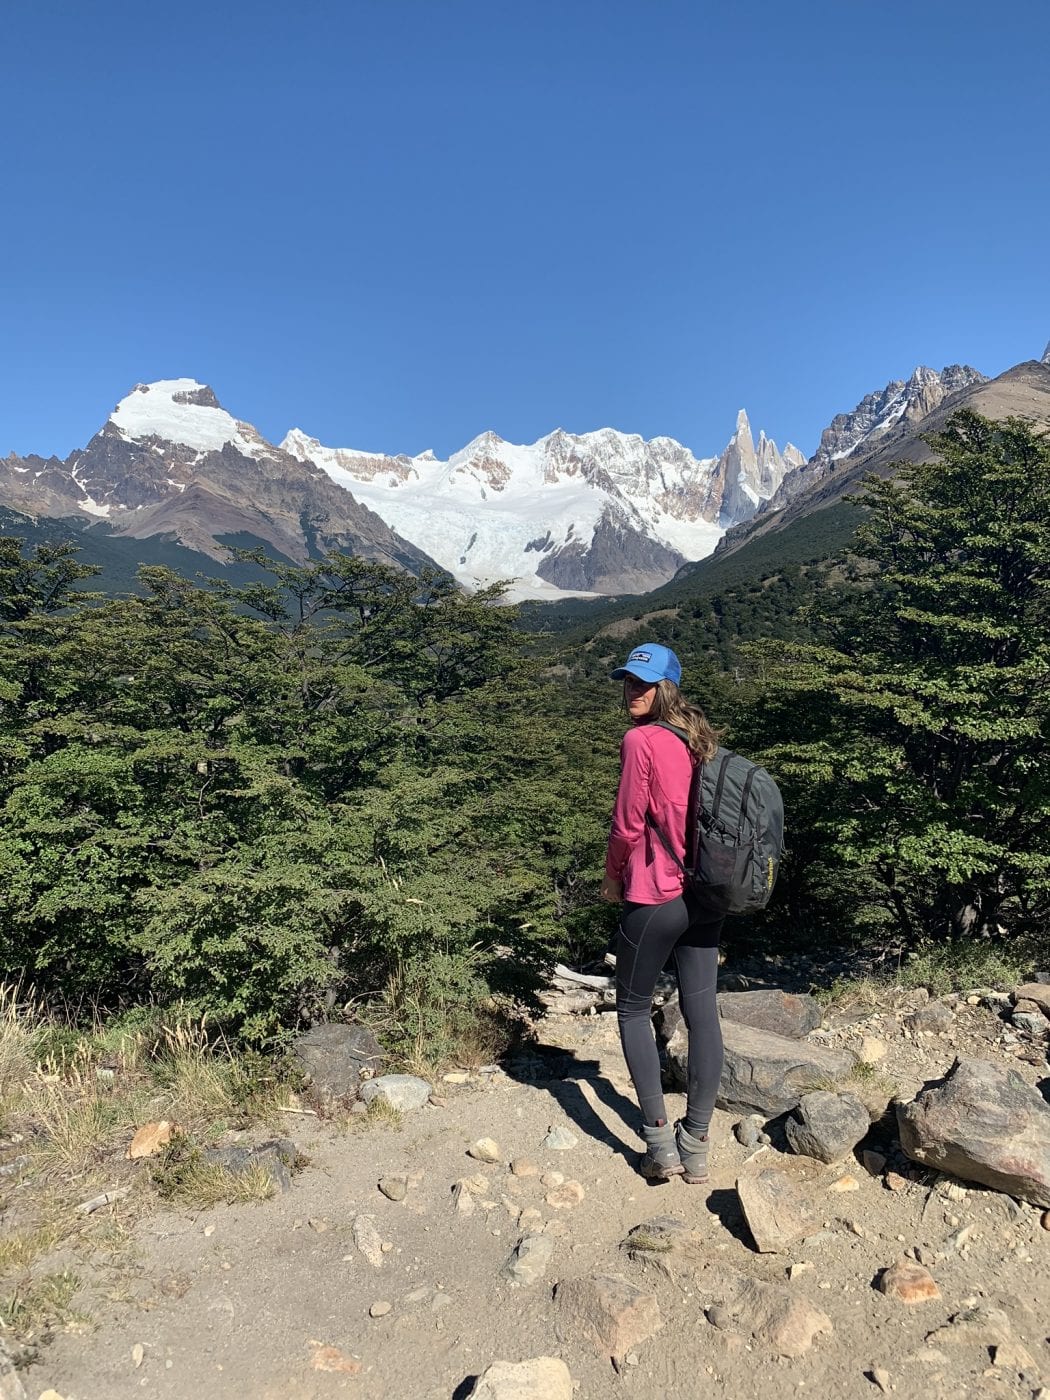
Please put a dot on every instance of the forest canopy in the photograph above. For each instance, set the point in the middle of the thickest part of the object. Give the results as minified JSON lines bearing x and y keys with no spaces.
{"x":348,"y":788}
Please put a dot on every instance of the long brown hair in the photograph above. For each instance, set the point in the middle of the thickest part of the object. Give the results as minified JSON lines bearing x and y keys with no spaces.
{"x":671,"y":707}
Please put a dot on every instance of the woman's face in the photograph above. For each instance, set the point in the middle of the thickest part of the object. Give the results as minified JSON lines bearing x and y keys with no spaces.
{"x":638,"y":696}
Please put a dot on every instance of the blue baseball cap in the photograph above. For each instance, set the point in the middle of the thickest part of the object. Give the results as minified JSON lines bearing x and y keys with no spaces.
{"x":650,"y":662}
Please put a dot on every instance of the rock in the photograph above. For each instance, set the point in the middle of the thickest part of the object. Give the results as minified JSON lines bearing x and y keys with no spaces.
{"x":521,"y":1166}
{"x":934,"y":1016}
{"x":881,"y":1377}
{"x":769,"y":1073}
{"x":336,"y":1058}
{"x":150,"y":1138}
{"x":530,"y":1259}
{"x":332,"y":1359}
{"x":795,"y":1271}
{"x":278,"y":1157}
{"x":750,"y":1131}
{"x":368,"y":1240}
{"x":774,"y":1209}
{"x":394,"y":1188}
{"x":560,"y":1140}
{"x":984,"y":1325}
{"x":379,"y":1309}
{"x":665,"y":1244}
{"x":542,"y":1378}
{"x":485,"y":1150}
{"x":982,"y":1123}
{"x":893,"y":1181}
{"x":552,"y":1179}
{"x":845,"y":1183}
{"x":564,"y":1197}
{"x":874,"y":1162}
{"x":778,"y":1316}
{"x":827,"y":1126}
{"x":780,"y":1013}
{"x":908,"y":1283}
{"x":405,"y":1092}
{"x":456,"y":1076}
{"x":463,"y":1202}
{"x":1032,"y":1021}
{"x":1045,"y":1220}
{"x":607,"y":1312}
{"x":1012,"y":1356}
{"x":871,"y":1050}
{"x":783,"y":1013}
{"x":11,"y":1387}
{"x":1038,"y":992}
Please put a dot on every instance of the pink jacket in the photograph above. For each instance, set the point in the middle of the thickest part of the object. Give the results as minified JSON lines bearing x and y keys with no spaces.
{"x":655,"y":772}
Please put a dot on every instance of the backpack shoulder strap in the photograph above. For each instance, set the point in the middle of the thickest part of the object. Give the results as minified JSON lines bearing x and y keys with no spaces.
{"x":650,"y":820}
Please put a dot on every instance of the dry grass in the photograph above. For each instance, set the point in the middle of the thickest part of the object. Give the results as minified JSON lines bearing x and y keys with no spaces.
{"x":184,"y":1176}
{"x":74,"y":1098}
{"x":20,"y":1250}
{"x":40,"y":1306}
{"x":77,"y":1125}
{"x":17,"y":1061}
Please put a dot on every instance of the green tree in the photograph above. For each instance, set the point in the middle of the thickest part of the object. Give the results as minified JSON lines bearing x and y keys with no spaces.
{"x":913,"y":740}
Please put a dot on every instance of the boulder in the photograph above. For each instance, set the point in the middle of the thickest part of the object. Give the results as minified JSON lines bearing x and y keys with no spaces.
{"x":777,"y":1316}
{"x":783,"y":1013}
{"x":778,"y":1012}
{"x":776,"y":1212}
{"x":607,"y":1312}
{"x":542,"y":1378}
{"x":667,"y":1245}
{"x":769,"y":1073}
{"x":827,"y":1126}
{"x":404,"y":1092}
{"x":278,"y":1157}
{"x":336,"y":1058}
{"x":982,"y":1123}
{"x":933,"y":1016}
{"x":1039,"y":992}
{"x":763,"y":1072}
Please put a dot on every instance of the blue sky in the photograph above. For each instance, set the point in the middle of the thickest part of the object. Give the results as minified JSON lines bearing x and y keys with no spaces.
{"x":395,"y":223}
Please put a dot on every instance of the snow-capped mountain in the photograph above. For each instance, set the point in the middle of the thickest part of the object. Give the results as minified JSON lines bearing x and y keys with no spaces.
{"x":601,"y":512}
{"x":598,"y":512}
{"x":171,"y":461}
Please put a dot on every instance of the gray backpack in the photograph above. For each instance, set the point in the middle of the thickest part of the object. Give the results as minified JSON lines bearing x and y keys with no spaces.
{"x":734,"y":833}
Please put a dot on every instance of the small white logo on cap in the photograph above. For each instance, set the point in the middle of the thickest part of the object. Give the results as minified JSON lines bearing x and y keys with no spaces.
{"x":640,"y":656}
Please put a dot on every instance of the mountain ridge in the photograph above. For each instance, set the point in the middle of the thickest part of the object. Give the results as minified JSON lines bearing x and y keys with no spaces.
{"x":587,"y":513}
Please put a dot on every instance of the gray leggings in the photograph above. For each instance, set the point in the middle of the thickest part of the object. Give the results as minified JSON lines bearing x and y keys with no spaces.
{"x":650,"y":934}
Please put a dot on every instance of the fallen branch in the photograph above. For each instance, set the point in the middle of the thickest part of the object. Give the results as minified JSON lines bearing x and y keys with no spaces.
{"x":106,"y":1199}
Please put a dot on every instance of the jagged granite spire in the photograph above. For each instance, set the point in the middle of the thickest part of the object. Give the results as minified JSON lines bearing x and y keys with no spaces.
{"x":1046,"y":355}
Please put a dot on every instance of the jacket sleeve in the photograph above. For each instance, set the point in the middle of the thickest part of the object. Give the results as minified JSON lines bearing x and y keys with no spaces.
{"x":632,"y":803}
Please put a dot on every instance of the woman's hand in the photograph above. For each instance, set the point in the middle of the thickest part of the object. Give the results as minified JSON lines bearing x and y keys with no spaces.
{"x":611,"y":890}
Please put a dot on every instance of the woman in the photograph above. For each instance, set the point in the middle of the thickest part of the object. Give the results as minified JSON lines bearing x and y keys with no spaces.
{"x":660,"y":918}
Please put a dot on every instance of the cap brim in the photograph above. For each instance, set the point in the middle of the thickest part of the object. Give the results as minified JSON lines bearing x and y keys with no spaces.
{"x":642,"y":673}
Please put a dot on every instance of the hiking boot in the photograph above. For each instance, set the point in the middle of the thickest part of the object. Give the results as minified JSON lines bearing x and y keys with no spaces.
{"x":661,"y":1160}
{"x":692,"y":1153}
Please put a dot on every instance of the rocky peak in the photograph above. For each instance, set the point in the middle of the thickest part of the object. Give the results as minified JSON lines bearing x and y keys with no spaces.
{"x":1046,"y":355}
{"x":203,"y":396}
{"x":748,"y":475}
{"x":900,"y":402}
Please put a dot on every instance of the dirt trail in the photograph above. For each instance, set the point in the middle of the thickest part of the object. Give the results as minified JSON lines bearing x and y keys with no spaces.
{"x":235,"y":1302}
